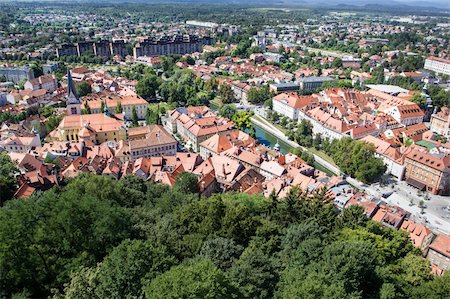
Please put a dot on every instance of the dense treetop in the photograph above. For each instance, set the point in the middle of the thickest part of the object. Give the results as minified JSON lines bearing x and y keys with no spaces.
{"x":101,"y":238}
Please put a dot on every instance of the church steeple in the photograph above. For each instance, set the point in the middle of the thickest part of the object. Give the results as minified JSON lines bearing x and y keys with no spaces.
{"x":72,"y":96}
{"x":73,"y":102}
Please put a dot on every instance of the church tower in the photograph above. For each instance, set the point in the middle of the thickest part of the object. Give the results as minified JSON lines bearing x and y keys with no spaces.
{"x":73,"y":101}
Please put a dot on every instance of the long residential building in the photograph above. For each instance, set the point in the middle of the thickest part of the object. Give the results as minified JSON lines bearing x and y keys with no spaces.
{"x":112,"y":101}
{"x":428,"y":172}
{"x":148,"y":141}
{"x":289,"y":104}
{"x":195,"y":124}
{"x":167,"y":45}
{"x":438,"y":65}
{"x":100,"y":48}
{"x":16,"y":74}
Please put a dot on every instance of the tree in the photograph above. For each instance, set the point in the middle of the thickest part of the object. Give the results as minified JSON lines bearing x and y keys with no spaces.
{"x":134,"y":117}
{"x":86,"y":109}
{"x":419,"y":99}
{"x":356,"y":159}
{"x":255,"y":273}
{"x":211,"y":84}
{"x":37,"y":69}
{"x":222,"y":252}
{"x":52,"y":122}
{"x":60,"y":232}
{"x":337,"y":63}
{"x":118,"y":108}
{"x":195,"y":279}
{"x":46,"y":111}
{"x":437,"y":288}
{"x":228,"y":111}
{"x":122,"y":272}
{"x":353,"y":216}
{"x":259,"y":95}
{"x":7,"y":180}
{"x":83,"y":89}
{"x":242,"y":120}
{"x":147,"y":86}
{"x":186,"y":182}
{"x":190,"y":60}
{"x":317,"y":141}
{"x":226,"y":93}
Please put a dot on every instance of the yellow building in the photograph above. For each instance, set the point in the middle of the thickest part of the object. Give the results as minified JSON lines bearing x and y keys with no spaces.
{"x":96,"y":128}
{"x":128,"y":102}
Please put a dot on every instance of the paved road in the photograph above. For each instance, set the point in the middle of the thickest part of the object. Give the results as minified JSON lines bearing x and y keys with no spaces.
{"x":436,"y":215}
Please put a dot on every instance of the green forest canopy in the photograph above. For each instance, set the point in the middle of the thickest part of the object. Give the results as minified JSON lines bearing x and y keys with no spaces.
{"x":101,"y":238}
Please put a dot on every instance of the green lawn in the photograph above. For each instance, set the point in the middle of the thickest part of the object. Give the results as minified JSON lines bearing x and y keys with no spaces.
{"x":263,"y":120}
{"x":216,"y":103}
{"x":321,"y":154}
{"x":165,"y":105}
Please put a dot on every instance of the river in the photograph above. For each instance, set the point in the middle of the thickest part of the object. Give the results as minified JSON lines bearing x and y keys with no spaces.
{"x":269,"y":140}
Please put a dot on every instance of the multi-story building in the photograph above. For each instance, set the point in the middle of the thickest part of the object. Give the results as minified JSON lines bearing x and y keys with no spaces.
{"x":420,"y":235}
{"x":119,"y":47}
{"x":274,"y":57}
{"x":289,"y":104}
{"x":218,"y":143}
{"x":196,"y":124}
{"x":102,"y":48}
{"x":21,"y":144}
{"x":407,"y":114}
{"x":240,"y":90}
{"x":66,"y":50}
{"x":440,"y":122}
{"x":438,"y":65}
{"x":111,"y":102}
{"x":167,"y":45}
{"x":284,"y":87}
{"x":148,"y":141}
{"x":50,"y":68}
{"x":439,"y":253}
{"x":16,"y":74}
{"x":95,"y":128}
{"x":312,"y":82}
{"x":85,"y":48}
{"x":47,"y":82}
{"x":390,"y":155}
{"x":428,"y":172}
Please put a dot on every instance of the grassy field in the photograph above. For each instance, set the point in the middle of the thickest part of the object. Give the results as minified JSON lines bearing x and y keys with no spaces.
{"x":322,"y":155}
{"x":263,"y":120}
{"x":162,"y":105}
{"x":216,"y":103}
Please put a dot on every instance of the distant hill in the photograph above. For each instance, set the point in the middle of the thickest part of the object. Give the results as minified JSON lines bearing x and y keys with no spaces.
{"x":443,"y":6}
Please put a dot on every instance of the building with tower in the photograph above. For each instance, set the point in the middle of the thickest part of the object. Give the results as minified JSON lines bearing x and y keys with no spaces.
{"x":73,"y":103}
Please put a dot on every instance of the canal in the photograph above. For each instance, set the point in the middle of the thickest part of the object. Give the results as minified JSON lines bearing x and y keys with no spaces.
{"x":269,"y":140}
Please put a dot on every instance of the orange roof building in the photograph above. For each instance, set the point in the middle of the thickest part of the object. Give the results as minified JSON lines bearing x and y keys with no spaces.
{"x":419,"y":234}
{"x":439,"y":253}
{"x":428,"y":172}
{"x":97,"y":128}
